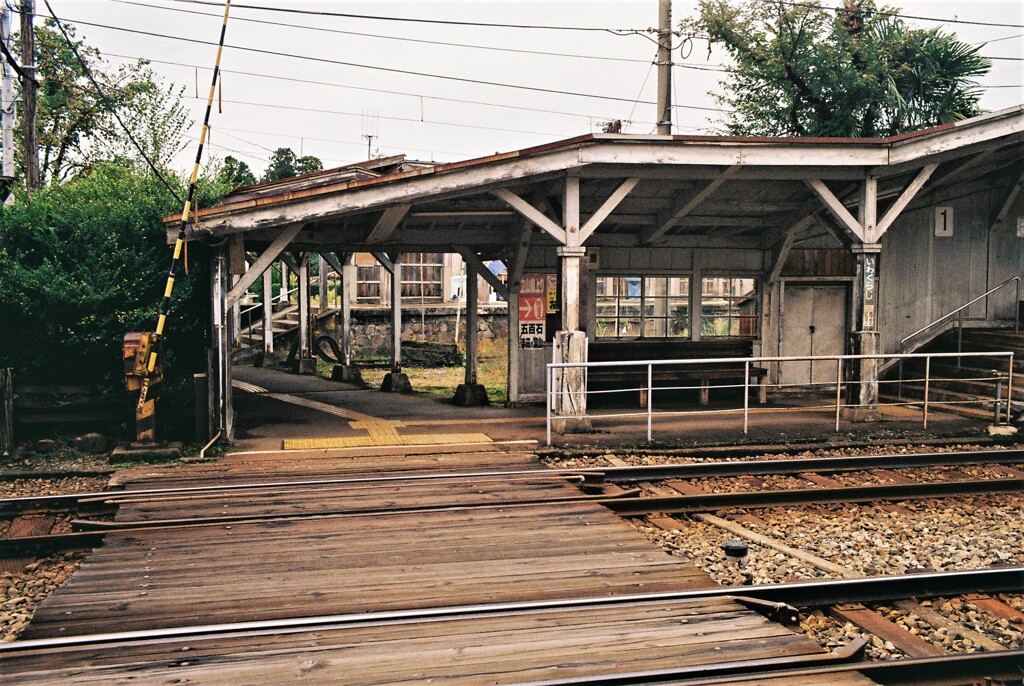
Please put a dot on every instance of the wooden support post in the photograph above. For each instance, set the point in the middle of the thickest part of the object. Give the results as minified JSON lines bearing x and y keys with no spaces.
{"x":472,"y":322}
{"x":347,"y":286}
{"x":322,"y":269}
{"x":396,"y":381}
{"x":862,"y":393}
{"x":396,"y":314}
{"x":283,"y":292}
{"x":268,"y":359}
{"x":6,"y":412}
{"x":304,"y":364}
{"x":236,"y":316}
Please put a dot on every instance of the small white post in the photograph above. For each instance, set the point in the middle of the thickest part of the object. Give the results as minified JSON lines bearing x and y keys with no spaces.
{"x":746,"y":396}
{"x":650,"y":400}
{"x":927,"y":381}
{"x":839,"y":389}
{"x":547,"y":401}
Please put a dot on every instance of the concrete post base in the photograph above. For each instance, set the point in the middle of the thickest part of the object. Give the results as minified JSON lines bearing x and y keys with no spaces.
{"x":265,"y":360}
{"x":861,"y":414}
{"x":304,"y":366}
{"x":471,"y":395}
{"x":571,"y":425}
{"x":349,"y":373}
{"x":396,"y":382}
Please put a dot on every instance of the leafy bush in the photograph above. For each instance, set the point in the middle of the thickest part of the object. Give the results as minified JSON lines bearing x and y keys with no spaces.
{"x":84,"y":262}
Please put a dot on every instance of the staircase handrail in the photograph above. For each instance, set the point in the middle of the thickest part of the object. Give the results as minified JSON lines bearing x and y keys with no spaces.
{"x":959,"y":311}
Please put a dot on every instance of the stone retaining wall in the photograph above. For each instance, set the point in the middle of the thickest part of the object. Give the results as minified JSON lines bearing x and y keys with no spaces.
{"x":371,"y":327}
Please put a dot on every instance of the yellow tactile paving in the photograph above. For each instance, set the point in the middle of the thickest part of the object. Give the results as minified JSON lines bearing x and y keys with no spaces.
{"x":372,"y":441}
{"x":381,"y":432}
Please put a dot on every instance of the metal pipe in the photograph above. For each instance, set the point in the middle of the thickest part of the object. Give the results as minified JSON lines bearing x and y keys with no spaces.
{"x":999,"y":398}
{"x":202,"y":453}
{"x":965,"y":306}
{"x":927,"y":382}
{"x":650,"y":402}
{"x":839,"y":389}
{"x":1009,"y":390}
{"x":746,"y":396}
{"x":547,"y":400}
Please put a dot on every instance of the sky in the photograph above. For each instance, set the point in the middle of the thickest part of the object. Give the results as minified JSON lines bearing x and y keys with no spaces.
{"x":352,"y":89}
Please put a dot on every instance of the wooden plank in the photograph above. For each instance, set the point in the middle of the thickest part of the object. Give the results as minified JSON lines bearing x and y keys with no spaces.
{"x":874,"y":623}
{"x":995,"y":607}
{"x":6,"y":412}
{"x":28,"y":389}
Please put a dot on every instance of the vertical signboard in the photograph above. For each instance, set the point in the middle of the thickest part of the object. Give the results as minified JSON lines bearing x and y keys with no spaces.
{"x":532,"y":310}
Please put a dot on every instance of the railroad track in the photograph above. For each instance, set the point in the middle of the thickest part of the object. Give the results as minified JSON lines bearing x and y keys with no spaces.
{"x":779,"y":602}
{"x":604,"y":485}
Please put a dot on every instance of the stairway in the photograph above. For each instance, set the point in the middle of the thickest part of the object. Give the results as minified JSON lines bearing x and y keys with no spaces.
{"x":250,"y":335}
{"x":968,"y":388}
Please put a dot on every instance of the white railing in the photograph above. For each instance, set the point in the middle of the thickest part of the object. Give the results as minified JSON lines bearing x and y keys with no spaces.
{"x":647,"y":368}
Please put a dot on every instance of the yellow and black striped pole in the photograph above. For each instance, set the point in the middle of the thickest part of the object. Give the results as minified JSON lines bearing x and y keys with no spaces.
{"x":179,"y":244}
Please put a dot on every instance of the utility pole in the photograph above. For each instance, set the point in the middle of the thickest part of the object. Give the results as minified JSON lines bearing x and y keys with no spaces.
{"x":6,"y":103}
{"x":664,"y":67}
{"x":28,"y":89}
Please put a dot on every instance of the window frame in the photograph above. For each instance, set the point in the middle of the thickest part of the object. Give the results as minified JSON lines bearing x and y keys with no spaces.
{"x":731,"y":314}
{"x":644,"y":300}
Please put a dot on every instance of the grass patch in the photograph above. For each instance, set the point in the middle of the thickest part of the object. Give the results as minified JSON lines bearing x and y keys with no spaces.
{"x":440,"y":382}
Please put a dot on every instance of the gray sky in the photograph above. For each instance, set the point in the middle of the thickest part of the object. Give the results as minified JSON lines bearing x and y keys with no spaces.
{"x":325,"y":108}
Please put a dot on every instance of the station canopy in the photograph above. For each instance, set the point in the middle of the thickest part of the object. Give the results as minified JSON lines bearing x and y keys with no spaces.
{"x":634,"y":191}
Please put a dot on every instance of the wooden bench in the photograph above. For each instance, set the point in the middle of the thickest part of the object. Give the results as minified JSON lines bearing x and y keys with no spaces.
{"x":672,"y":374}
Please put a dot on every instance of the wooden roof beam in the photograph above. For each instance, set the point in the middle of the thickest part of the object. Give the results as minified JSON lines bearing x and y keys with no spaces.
{"x":607,"y":207}
{"x":388,"y":222}
{"x":667,"y":220}
{"x":847,"y":222}
{"x":530,"y":212}
{"x":901,"y":202}
{"x":273,"y":251}
{"x":475,"y":264}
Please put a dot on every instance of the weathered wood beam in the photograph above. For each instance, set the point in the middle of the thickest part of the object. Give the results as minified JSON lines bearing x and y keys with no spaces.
{"x":607,"y":207}
{"x":388,"y":222}
{"x":518,"y":266}
{"x":266,"y":258}
{"x":901,"y":202}
{"x":290,"y":261}
{"x":530,"y":212}
{"x":385,"y":262}
{"x":847,"y":222}
{"x":666,"y":222}
{"x":1011,"y":197}
{"x":571,"y":211}
{"x":475,"y":264}
{"x":780,"y":251}
{"x":336,"y":262}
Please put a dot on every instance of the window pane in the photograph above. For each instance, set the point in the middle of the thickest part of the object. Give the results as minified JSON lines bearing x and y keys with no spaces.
{"x":629,"y":328}
{"x":654,"y":328}
{"x":654,"y":286}
{"x":606,"y":328}
{"x":679,"y":285}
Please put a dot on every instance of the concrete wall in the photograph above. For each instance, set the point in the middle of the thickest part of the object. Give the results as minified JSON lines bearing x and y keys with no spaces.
{"x":923,"y":276}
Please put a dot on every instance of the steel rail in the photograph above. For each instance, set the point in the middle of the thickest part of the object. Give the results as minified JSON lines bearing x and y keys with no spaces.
{"x":799,"y":594}
{"x":944,"y":670}
{"x":625,"y":504}
{"x":98,"y":501}
{"x":849,"y":494}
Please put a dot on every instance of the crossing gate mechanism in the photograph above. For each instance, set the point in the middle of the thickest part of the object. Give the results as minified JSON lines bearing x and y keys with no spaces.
{"x":139,"y":378}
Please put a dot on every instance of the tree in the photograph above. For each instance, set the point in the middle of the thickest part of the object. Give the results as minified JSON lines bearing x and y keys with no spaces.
{"x":74,"y":125}
{"x":235,"y":173}
{"x":802,"y":69}
{"x":284,"y":164}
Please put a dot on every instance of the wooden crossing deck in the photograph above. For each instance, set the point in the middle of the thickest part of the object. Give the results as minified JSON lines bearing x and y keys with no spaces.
{"x":528,"y":548}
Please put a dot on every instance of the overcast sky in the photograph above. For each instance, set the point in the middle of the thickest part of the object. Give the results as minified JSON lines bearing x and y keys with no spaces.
{"x":320,"y":107}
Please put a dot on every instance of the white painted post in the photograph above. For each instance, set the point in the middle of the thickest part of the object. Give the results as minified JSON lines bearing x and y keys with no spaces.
{"x":746,"y":396}
{"x":927,"y":381}
{"x":322,"y":269}
{"x":302,"y":275}
{"x":283,"y":289}
{"x":650,"y":400}
{"x":268,"y":312}
{"x":839,"y":389}
{"x":346,"y":284}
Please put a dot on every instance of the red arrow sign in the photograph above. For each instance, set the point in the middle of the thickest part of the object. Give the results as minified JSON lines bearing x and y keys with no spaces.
{"x":532,"y":308}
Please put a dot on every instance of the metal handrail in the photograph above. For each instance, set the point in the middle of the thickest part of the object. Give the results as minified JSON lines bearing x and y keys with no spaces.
{"x":1001,"y":407}
{"x":959,"y":311}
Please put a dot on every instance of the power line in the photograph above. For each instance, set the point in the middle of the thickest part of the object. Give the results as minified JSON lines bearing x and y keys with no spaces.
{"x":414,"y":20}
{"x":386,"y":37}
{"x":392,"y":70}
{"x":359,"y":114}
{"x":900,"y":15}
{"x":106,"y":104}
{"x":373,"y":90}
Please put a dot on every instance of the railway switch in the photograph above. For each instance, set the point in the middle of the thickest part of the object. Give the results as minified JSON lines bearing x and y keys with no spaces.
{"x":138,"y":350}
